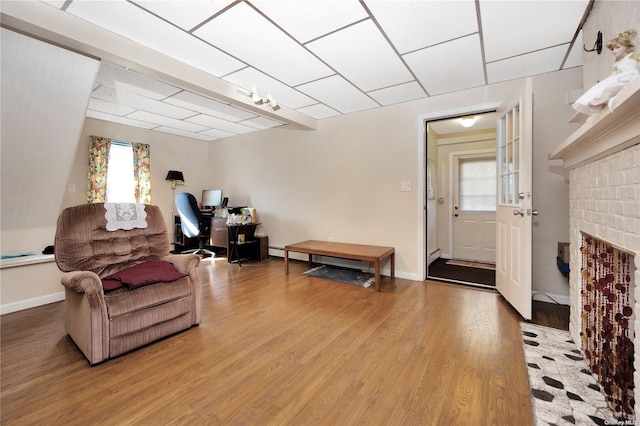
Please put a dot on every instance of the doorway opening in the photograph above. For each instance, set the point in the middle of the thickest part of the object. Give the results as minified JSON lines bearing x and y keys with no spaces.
{"x":461,"y":199}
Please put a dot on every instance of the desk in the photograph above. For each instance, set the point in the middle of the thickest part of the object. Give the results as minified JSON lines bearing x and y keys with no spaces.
{"x":346,"y":251}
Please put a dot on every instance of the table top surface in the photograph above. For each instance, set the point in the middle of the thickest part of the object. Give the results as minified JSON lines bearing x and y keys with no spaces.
{"x":331,"y":247}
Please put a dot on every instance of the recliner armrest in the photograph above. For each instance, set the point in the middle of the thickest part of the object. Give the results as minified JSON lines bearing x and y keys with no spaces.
{"x":82,"y":282}
{"x":184,"y":263}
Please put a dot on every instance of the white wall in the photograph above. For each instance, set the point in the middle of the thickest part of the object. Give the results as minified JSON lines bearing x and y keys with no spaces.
{"x":342,"y":181}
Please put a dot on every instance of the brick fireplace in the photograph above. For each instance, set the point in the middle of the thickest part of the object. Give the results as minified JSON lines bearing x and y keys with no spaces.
{"x":603,"y":158}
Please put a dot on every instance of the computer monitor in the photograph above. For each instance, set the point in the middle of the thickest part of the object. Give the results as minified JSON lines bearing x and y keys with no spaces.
{"x":211,"y":198}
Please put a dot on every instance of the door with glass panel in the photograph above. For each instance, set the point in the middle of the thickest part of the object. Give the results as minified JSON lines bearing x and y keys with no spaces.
{"x":474,"y":209}
{"x":514,"y":199}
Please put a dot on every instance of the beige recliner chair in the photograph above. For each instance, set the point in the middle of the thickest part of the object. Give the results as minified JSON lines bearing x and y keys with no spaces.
{"x":122,"y":287}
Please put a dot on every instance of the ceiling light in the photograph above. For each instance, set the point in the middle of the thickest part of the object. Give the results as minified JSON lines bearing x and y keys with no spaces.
{"x":272,"y":102}
{"x":259,"y":100}
{"x":467,"y":121}
{"x":255,"y":96}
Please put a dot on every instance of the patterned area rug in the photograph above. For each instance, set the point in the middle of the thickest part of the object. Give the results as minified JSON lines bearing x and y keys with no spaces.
{"x":345,"y":275}
{"x":563,"y":389}
{"x":481,"y":265}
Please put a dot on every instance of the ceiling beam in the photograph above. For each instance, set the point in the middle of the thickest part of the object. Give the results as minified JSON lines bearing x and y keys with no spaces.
{"x":53,"y":25}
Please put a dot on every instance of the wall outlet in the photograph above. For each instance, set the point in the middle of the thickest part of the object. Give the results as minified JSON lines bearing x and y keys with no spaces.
{"x":405,"y":186}
{"x":71,"y":187}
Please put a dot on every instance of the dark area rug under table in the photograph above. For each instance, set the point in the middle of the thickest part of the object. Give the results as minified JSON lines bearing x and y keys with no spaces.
{"x":345,"y":275}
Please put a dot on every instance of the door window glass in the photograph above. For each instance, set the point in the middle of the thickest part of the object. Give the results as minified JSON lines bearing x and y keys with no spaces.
{"x":477,"y":184}
{"x":509,"y":151}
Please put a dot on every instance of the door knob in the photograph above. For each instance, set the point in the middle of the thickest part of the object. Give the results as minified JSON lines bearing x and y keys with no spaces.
{"x":535,"y":212}
{"x":518,"y":212}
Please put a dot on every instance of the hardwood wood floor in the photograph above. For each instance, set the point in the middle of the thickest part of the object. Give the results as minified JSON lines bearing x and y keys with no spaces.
{"x":276,"y":349}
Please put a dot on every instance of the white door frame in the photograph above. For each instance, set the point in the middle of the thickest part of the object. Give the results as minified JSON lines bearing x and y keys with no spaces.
{"x":453,"y":158}
{"x":422,"y":167}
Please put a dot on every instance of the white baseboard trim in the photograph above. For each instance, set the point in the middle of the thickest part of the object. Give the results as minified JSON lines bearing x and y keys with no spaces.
{"x":31,"y":303}
{"x":541,"y":296}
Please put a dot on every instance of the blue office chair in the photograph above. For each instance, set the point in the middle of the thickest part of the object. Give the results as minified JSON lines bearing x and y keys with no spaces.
{"x":191,"y":222}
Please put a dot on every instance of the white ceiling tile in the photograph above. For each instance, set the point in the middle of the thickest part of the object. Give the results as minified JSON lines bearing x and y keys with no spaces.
{"x":448,"y":67}
{"x":109,"y":75}
{"x":319,"y":111}
{"x":539,"y":62}
{"x":109,"y":107}
{"x":209,"y":106}
{"x":515,"y":27}
{"x":160,"y":120}
{"x":412,"y":25}
{"x":339,"y":94}
{"x":217,"y":134}
{"x":247,"y":35}
{"x":118,"y":119}
{"x":214,"y":122}
{"x":184,"y":13}
{"x":151,"y":105}
{"x":312,"y":18}
{"x":575,"y":57}
{"x":357,"y":50}
{"x":285,"y":95}
{"x":400,"y":93}
{"x":262,"y":123}
{"x":135,"y":24}
{"x":178,"y":132}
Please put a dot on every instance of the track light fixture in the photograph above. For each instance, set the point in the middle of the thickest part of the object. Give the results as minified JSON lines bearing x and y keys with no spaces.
{"x":258,"y":99}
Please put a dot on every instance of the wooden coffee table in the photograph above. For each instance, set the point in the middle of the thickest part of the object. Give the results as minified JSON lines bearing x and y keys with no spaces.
{"x":375,"y":254}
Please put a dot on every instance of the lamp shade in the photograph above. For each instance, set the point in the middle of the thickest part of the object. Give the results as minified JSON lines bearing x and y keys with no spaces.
{"x":175,"y":176}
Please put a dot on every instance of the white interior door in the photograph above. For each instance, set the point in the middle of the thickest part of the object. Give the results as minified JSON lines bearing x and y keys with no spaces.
{"x":514,"y":203}
{"x":474,"y":209}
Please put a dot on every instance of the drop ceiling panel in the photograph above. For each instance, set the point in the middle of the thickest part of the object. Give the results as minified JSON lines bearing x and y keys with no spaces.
{"x":247,"y":35}
{"x":543,"y":61}
{"x":314,"y":19}
{"x":319,"y":111}
{"x":285,"y":95}
{"x":118,"y":119}
{"x":209,"y":106}
{"x":213,"y":122}
{"x":262,"y":123}
{"x":339,"y":94}
{"x":358,"y":49}
{"x":217,"y":133}
{"x":396,"y":94}
{"x":135,"y":24}
{"x":515,"y":27}
{"x":178,"y":132}
{"x":185,"y":14}
{"x":150,"y":117}
{"x":109,"y":107}
{"x":158,"y":107}
{"x":413,"y":25}
{"x":441,"y":71}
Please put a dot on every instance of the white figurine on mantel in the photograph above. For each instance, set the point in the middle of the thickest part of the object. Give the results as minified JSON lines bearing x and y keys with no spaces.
{"x":625,"y":69}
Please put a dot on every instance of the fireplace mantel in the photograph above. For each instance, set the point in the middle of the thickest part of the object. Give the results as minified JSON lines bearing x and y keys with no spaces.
{"x":604,"y":133}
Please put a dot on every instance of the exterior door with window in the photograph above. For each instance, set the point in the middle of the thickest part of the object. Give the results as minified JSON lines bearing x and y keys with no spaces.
{"x":514,"y":202}
{"x":474,"y":210}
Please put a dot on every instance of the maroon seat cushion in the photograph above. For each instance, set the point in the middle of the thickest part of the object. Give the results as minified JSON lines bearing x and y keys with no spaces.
{"x":108,"y":285}
{"x":149,"y":272}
